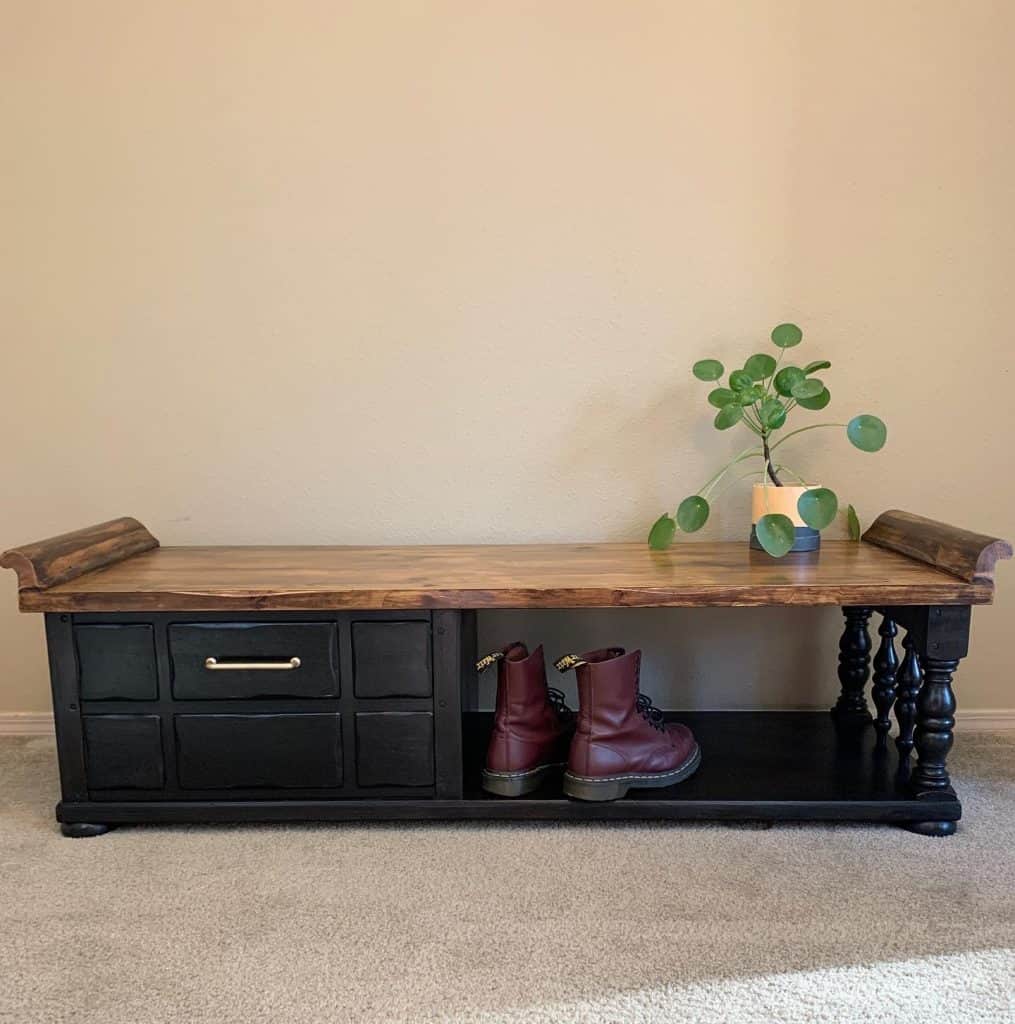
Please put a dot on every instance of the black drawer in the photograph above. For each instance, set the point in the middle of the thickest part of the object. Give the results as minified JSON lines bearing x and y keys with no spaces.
{"x":117,"y":661}
{"x":123,"y":751}
{"x":259,"y":751}
{"x":391,"y":659}
{"x":293,"y":659}
{"x":394,"y":748}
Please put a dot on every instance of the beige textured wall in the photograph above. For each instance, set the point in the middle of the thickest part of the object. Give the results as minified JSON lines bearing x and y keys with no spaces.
{"x":431,"y":271}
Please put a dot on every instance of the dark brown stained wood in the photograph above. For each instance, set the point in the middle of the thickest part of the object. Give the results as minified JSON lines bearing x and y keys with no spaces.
{"x":59,"y":559}
{"x":223,"y":579}
{"x":970,"y":556}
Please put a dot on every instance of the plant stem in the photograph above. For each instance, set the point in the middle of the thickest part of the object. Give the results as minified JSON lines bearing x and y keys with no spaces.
{"x":813,"y":426}
{"x":767,"y":454}
{"x":771,"y":379}
{"x":747,"y":453}
{"x":736,"y":480}
{"x":753,"y":422}
{"x":785,"y":469}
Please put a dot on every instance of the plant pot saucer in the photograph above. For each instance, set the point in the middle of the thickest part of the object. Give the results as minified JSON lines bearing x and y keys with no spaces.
{"x":807,"y":539}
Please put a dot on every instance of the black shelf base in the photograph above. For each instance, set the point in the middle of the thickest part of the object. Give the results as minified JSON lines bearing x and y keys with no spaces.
{"x":756,"y":766}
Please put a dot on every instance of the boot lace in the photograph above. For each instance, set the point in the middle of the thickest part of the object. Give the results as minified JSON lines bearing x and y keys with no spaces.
{"x":555,"y":698}
{"x":650,"y":712}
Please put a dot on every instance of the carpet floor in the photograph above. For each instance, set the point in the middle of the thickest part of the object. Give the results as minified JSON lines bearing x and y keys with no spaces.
{"x":508,"y":923}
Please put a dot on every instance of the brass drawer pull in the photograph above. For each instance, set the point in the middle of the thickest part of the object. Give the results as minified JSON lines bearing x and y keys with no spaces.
{"x":251,"y":666}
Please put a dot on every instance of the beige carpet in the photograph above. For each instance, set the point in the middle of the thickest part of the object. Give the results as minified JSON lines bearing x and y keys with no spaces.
{"x":508,"y":923}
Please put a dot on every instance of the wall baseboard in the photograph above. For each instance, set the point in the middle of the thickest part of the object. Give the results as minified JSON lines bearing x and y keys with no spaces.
{"x":40,"y":723}
{"x":26,"y":723}
{"x":985,"y":720}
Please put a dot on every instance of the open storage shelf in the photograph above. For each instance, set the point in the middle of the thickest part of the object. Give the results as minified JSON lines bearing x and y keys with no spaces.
{"x":769,"y":765}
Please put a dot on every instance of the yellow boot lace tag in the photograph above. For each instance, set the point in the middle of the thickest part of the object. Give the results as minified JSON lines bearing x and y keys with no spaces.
{"x":568,"y":661}
{"x":491,"y":659}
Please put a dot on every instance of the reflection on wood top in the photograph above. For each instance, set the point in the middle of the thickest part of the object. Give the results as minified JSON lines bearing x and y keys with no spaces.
{"x":503,"y":576}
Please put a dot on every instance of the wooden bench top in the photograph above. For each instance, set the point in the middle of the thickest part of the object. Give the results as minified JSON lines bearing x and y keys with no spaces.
{"x":119,"y":566}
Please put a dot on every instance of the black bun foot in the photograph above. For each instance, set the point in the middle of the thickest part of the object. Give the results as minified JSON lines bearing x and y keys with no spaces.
{"x":932,"y":828}
{"x":83,"y":829}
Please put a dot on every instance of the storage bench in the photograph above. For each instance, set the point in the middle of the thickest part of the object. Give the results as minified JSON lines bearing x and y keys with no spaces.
{"x":327,"y":683}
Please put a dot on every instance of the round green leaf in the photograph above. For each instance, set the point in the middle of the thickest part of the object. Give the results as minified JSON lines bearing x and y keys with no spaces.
{"x":708,"y":369}
{"x":760,"y":366}
{"x":661,"y":535}
{"x":820,"y":364}
{"x":692,"y":513}
{"x":776,"y":533}
{"x":817,"y":402}
{"x":787,"y":335}
{"x":867,"y":433}
{"x":720,"y":397}
{"x":749,"y":395}
{"x":817,"y":507}
{"x":728,"y":416}
{"x":773,"y":413}
{"x":787,"y":379}
{"x":809,"y":387}
{"x":852,"y":523}
{"x":740,"y":379}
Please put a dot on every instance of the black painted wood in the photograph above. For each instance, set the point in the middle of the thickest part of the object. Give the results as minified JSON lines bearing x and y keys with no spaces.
{"x":123,"y":752}
{"x":83,"y":829}
{"x":63,"y":675}
{"x":908,"y":681}
{"x":394,"y":748}
{"x":886,"y":667}
{"x":117,"y":661}
{"x":854,"y":667}
{"x":940,"y":630}
{"x":935,"y":722}
{"x":849,"y":782}
{"x":314,"y":643}
{"x":453,"y":655}
{"x":272,"y":751}
{"x":391,"y":659}
{"x":782,"y":766}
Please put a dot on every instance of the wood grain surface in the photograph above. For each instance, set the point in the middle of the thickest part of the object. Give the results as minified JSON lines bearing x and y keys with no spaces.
{"x":503,"y":576}
{"x":970,"y":556}
{"x":70,"y":555}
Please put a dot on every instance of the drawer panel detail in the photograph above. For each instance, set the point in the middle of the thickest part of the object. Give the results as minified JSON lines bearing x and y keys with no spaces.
{"x":259,"y":751}
{"x":392,"y":659}
{"x":117,"y":662}
{"x":249,"y":660}
{"x":123,"y":751}
{"x":394,"y":748}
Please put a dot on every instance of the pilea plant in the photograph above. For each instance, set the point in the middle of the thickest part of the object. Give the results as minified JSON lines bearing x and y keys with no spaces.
{"x":760,"y":396}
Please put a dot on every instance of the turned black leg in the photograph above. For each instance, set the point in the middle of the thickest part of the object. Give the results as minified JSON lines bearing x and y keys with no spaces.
{"x":854,"y":666}
{"x":83,"y":829}
{"x":907,"y":682}
{"x":886,"y":667}
{"x":935,"y":722}
{"x":937,"y":638}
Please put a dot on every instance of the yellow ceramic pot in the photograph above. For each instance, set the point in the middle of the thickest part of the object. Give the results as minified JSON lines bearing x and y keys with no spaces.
{"x":767,"y":499}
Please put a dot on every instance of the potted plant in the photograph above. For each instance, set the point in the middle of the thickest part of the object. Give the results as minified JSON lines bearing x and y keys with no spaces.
{"x":788,"y":513}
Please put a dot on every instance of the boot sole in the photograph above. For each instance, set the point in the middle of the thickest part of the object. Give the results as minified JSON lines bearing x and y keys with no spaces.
{"x":519,"y":783}
{"x":613,"y":787}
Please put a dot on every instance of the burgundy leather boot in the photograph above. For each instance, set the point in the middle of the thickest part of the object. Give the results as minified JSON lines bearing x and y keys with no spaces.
{"x":532,"y":728}
{"x":622,"y":741}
